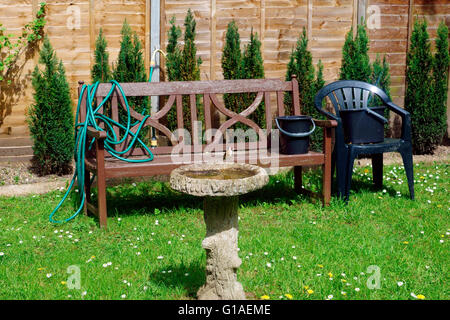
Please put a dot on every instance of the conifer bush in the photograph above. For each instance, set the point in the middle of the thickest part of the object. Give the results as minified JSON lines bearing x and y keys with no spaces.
{"x":232,"y":65}
{"x":246,"y":64}
{"x":50,"y":118}
{"x":309,"y":82}
{"x":356,"y":66}
{"x":382,"y":79}
{"x":130,"y":67}
{"x":183,"y":65}
{"x":253,"y":68}
{"x":426,"y":79}
{"x":355,"y":56}
{"x":440,"y":81}
{"x":101,"y":70}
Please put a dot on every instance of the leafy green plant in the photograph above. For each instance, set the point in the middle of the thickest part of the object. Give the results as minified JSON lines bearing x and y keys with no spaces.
{"x":426,"y":80}
{"x":50,"y":118}
{"x":309,"y":82}
{"x":10,"y":51}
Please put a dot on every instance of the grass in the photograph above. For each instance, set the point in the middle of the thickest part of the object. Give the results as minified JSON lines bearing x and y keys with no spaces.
{"x":290,"y":246}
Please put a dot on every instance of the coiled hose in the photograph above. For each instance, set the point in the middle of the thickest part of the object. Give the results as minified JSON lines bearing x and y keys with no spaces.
{"x":92,"y":118}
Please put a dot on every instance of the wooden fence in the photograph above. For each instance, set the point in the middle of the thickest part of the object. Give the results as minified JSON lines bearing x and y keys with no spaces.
{"x":74,"y":25}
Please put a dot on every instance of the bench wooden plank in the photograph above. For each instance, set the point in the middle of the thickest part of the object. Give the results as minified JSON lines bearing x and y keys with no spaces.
{"x":137,"y":89}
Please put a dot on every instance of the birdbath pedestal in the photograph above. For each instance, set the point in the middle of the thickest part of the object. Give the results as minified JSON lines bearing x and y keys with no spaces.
{"x":220,"y":184}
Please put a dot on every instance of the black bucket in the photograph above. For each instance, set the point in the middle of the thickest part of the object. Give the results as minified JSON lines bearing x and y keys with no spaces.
{"x":361,"y":126}
{"x":295,"y":132}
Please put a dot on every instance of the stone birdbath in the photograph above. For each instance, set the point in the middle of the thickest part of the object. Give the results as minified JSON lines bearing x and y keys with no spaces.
{"x":220,"y":184}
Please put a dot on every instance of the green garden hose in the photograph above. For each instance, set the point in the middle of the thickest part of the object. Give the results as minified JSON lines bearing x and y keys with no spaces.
{"x":92,"y":116}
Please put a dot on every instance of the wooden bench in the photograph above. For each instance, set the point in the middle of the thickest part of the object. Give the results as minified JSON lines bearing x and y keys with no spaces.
{"x":206,"y":97}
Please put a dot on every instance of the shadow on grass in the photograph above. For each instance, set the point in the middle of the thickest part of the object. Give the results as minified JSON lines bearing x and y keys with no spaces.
{"x":154,"y":197}
{"x":187,"y":277}
{"x":148,"y":197}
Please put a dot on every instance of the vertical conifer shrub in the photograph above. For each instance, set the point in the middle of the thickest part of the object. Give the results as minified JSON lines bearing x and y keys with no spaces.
{"x":440,"y":81}
{"x":232,"y":65}
{"x":309,"y":82}
{"x":183,"y":65}
{"x":356,"y":65}
{"x":50,"y":118}
{"x":421,"y":88}
{"x":101,"y":70}
{"x":355,"y":56}
{"x":382,"y":79}
{"x":130,"y":67}
{"x":253,"y":68}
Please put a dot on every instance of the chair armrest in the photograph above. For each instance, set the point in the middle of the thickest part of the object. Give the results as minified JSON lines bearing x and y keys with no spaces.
{"x":325,"y":123}
{"x":94,"y":133}
{"x":397,"y":109}
{"x":406,"y":120}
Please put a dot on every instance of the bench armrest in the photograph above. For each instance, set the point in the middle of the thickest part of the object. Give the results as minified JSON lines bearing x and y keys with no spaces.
{"x":325,"y":123}
{"x":94,"y":133}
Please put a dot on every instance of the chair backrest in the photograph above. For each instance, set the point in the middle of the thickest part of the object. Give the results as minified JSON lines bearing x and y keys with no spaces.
{"x":349,"y":94}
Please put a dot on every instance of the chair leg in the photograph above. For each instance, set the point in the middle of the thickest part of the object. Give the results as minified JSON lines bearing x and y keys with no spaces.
{"x":406,"y":153}
{"x":341,"y":169}
{"x":349,"y":173}
{"x":377,"y":166}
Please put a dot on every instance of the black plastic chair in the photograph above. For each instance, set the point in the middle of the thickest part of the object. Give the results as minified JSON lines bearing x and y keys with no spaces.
{"x":350,"y":94}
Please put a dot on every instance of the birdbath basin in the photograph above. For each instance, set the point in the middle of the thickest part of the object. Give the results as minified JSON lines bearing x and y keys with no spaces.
{"x":220,"y":184}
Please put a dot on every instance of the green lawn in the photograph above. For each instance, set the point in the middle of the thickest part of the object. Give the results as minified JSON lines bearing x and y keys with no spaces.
{"x":290,"y":246}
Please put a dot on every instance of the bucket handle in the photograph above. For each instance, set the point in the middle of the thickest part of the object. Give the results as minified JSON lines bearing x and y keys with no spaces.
{"x":378,"y":116}
{"x":296,"y":135}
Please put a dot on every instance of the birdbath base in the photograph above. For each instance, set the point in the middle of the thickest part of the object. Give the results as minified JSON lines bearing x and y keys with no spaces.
{"x":221,"y":245}
{"x":220,"y":184}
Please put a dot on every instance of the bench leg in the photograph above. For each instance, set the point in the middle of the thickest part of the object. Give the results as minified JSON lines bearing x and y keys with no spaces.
{"x":101,"y":201}
{"x":327,"y":167}
{"x":101,"y":184}
{"x":87,"y":190}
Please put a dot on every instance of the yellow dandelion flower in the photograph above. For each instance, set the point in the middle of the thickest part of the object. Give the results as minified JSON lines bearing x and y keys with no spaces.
{"x":320,"y":265}
{"x":63,"y":282}
{"x":306,"y":287}
{"x":366,"y":170}
{"x":310,"y":291}
{"x":330,"y":274}
{"x":420,"y":296}
{"x":265,"y":297}
{"x":405,"y":242}
{"x":343,"y":280}
{"x":40,"y":269}
{"x":380,"y":197}
{"x":289,"y":296}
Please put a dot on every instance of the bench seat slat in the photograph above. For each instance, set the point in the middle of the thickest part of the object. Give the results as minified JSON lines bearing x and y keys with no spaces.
{"x":163,"y":164}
